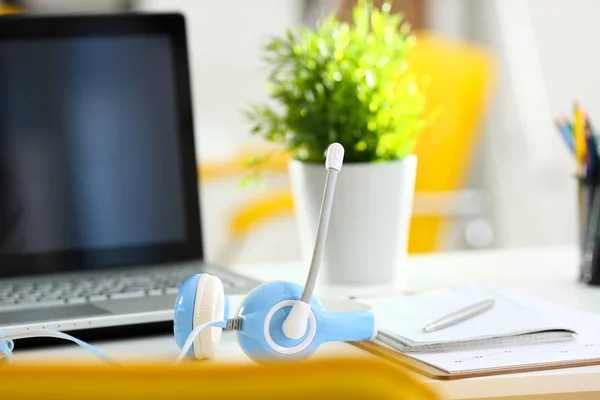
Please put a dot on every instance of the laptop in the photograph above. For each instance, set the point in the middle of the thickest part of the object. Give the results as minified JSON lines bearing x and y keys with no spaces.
{"x":99,"y":196}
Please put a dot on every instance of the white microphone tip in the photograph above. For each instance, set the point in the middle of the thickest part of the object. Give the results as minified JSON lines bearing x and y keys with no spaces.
{"x":294,"y":326}
{"x":335,"y":156}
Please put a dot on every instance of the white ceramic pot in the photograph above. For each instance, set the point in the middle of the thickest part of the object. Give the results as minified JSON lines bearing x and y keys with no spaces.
{"x":368,"y":232}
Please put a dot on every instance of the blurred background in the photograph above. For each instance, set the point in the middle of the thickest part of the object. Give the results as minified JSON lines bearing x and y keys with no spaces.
{"x":513,"y":179}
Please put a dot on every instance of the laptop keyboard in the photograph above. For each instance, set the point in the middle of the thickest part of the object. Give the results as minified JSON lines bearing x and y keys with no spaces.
{"x":92,"y":289}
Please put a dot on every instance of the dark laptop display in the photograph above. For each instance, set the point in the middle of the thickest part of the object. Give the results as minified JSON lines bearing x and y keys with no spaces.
{"x":97,"y":163}
{"x":99,"y":210}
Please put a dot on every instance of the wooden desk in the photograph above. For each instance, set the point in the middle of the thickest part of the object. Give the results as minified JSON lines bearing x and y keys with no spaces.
{"x":551,"y":273}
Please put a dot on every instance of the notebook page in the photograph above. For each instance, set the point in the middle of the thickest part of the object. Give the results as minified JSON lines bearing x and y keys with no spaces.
{"x":406,"y":316}
{"x":586,"y":345}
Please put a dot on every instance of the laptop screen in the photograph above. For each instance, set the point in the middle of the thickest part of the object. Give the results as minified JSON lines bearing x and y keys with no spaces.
{"x":92,"y":148}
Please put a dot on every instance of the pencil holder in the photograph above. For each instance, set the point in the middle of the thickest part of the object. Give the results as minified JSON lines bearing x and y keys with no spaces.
{"x":589,"y":234}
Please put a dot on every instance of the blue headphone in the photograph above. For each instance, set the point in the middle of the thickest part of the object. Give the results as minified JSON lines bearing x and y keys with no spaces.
{"x":277,"y":320}
{"x":6,"y":348}
{"x":260,"y":320}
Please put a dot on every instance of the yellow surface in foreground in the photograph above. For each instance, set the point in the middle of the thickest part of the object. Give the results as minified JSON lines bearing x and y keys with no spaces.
{"x":331,"y":378}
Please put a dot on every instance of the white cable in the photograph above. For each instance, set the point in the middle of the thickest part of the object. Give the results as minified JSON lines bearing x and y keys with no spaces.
{"x":9,"y":337}
{"x":194,"y":334}
{"x":59,"y":335}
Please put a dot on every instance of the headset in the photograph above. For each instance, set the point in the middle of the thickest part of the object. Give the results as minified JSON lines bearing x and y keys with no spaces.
{"x":277,"y":320}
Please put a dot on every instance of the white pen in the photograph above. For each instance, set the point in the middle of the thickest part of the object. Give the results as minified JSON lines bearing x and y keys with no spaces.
{"x":459,"y":316}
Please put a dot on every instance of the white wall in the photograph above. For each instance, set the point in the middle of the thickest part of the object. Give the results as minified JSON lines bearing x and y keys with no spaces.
{"x":531,"y":173}
{"x":524,"y":167}
{"x":225,"y":40}
{"x":568,"y":36}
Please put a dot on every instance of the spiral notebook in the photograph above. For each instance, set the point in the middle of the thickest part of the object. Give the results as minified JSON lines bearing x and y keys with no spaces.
{"x":521,"y":333}
{"x":507,"y":323}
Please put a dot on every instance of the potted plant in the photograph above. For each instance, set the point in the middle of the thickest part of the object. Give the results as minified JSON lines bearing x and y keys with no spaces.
{"x":348,"y":83}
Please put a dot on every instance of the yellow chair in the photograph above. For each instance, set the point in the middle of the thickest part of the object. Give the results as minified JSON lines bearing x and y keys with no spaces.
{"x":460,"y":80}
{"x":8,"y":9}
{"x":235,"y":166}
{"x":256,"y":212}
{"x":327,"y":379}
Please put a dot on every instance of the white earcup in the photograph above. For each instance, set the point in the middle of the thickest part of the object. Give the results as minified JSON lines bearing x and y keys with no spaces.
{"x":208,"y":306}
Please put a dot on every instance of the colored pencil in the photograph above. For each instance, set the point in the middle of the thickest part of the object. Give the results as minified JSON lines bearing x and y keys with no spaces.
{"x":566,"y":133}
{"x":582,"y":139}
{"x":579,"y":135}
{"x":592,"y":148}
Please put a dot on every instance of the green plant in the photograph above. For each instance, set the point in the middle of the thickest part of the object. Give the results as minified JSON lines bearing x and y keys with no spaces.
{"x":346,"y":83}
